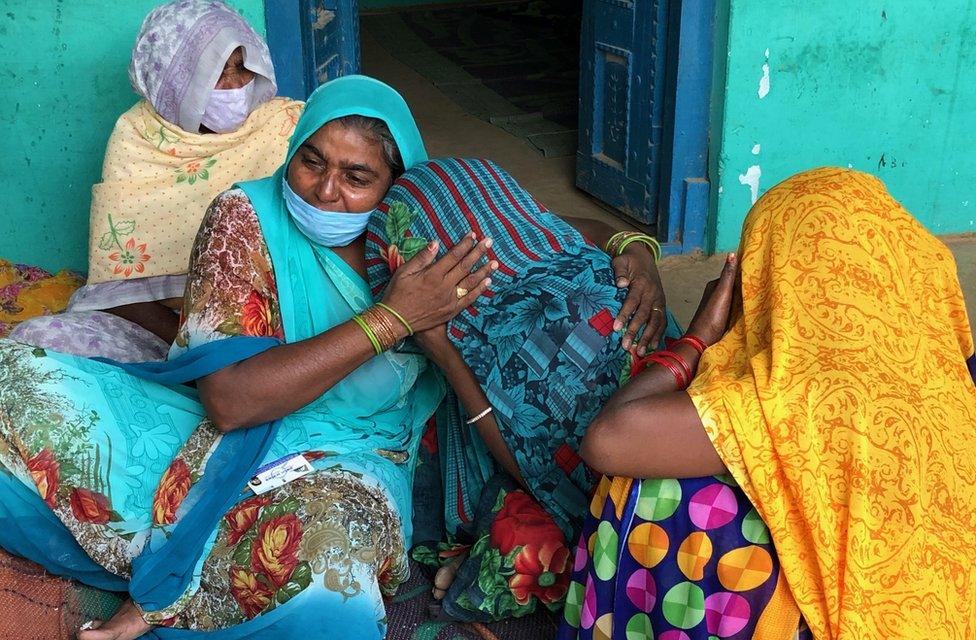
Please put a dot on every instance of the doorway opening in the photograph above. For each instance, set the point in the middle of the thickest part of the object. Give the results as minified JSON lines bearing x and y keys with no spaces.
{"x":513,"y":63}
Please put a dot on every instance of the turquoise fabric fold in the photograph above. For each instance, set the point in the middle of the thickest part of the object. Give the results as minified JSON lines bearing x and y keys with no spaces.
{"x":23,"y":515}
{"x":158,"y":575}
{"x":161,"y":575}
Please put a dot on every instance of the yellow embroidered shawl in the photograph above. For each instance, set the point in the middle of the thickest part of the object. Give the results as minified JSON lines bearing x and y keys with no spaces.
{"x":158,"y":180}
{"x":841,"y":403}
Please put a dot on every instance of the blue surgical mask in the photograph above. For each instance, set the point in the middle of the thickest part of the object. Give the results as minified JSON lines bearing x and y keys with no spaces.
{"x":327,"y":228}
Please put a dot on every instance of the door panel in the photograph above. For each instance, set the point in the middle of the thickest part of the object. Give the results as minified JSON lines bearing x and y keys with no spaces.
{"x":622,"y":58}
{"x":312,"y":41}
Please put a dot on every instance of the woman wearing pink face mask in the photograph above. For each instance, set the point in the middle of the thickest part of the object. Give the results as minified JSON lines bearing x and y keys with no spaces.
{"x":208,"y":119}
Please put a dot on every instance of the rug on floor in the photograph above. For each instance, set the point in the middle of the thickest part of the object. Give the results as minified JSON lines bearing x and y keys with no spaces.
{"x":40,"y":606}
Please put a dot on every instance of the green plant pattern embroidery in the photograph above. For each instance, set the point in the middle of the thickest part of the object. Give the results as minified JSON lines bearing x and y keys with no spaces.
{"x":129,"y":257}
{"x":195,"y":170}
{"x":402,"y":245}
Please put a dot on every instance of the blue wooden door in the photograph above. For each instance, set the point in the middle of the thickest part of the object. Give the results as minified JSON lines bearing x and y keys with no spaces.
{"x":623,"y":48}
{"x":312,"y":41}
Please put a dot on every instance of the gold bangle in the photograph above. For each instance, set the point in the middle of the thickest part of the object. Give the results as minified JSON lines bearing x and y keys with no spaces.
{"x":383,"y":324}
{"x":377,"y":324}
{"x":403,"y":321}
{"x":615,"y":240}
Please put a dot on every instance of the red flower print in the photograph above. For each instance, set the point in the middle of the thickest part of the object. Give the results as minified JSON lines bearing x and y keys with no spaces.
{"x":393,"y":258}
{"x":251,"y":594}
{"x":241,"y":518}
{"x":132,"y":258}
{"x":385,"y":576}
{"x":429,"y":440}
{"x":521,"y":521}
{"x":192,"y":167}
{"x":257,"y":318}
{"x":46,"y":473}
{"x":90,"y":506}
{"x":274,"y":551}
{"x":542,"y":572}
{"x":172,"y":488}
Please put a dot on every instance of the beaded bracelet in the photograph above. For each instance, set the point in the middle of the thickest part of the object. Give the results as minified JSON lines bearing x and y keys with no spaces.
{"x":479,"y":416}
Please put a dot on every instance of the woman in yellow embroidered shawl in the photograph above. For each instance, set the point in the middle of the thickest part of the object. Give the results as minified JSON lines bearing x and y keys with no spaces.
{"x":208,"y":119}
{"x":836,"y":393}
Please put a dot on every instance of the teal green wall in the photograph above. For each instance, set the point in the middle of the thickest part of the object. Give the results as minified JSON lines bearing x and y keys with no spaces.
{"x":65,"y":83}
{"x":849,"y":82}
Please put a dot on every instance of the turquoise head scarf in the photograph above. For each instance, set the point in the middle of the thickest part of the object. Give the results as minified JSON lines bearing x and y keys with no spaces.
{"x":360,"y":96}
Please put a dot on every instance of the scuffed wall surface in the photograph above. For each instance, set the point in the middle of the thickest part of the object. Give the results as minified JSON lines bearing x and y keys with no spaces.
{"x":65,"y":83}
{"x":884,"y":87}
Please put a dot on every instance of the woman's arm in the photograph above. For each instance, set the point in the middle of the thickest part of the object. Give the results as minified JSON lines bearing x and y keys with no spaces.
{"x":155,"y":317}
{"x":440,"y":350}
{"x":650,"y":428}
{"x":281,"y":380}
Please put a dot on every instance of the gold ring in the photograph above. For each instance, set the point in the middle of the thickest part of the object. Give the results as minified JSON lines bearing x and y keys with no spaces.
{"x":653,"y":309}
{"x":461,"y":292}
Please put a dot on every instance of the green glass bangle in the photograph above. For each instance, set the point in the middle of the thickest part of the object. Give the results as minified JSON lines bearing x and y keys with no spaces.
{"x":647,"y":241}
{"x":614,"y":240}
{"x":396,"y":314}
{"x":369,"y":334}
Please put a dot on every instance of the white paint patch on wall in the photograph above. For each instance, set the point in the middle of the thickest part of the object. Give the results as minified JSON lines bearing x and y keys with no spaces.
{"x":751,"y":179}
{"x":764,"y":80}
{"x":756,"y":148}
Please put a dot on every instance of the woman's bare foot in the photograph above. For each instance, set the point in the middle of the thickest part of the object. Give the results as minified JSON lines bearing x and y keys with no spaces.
{"x":126,"y":624}
{"x":444,"y":577}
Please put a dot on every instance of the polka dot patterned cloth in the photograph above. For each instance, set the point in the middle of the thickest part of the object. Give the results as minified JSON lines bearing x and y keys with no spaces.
{"x":670,"y":560}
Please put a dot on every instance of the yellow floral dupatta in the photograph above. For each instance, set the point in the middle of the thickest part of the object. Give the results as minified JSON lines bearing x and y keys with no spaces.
{"x":158,"y":180}
{"x":841,"y":402}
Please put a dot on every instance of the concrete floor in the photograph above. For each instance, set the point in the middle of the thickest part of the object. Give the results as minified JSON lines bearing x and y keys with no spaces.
{"x":450,"y":131}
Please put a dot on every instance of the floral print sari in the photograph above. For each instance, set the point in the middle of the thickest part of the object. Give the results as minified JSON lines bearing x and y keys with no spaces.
{"x":115,"y":458}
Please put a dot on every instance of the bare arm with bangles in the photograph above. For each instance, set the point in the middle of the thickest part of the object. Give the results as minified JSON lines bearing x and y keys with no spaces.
{"x":446,"y":356}
{"x":650,"y":428}
{"x":422,"y":294}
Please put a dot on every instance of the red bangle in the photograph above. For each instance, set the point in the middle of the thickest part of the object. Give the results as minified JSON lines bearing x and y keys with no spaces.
{"x":670,"y":366}
{"x":681,"y":362}
{"x":693,"y":341}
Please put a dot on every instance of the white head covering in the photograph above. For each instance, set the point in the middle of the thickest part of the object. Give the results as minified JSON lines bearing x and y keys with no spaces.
{"x":180,"y":52}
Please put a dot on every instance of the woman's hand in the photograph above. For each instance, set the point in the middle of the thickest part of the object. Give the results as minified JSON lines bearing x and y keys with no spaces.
{"x":712,"y":318}
{"x":435,"y":343}
{"x":645,"y":303}
{"x":429,"y":293}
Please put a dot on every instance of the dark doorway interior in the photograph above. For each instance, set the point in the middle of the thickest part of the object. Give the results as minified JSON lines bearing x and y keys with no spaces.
{"x":513,"y":63}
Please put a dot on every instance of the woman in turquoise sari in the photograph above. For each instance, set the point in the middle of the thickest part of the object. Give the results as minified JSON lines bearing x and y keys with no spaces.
{"x":123,"y":479}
